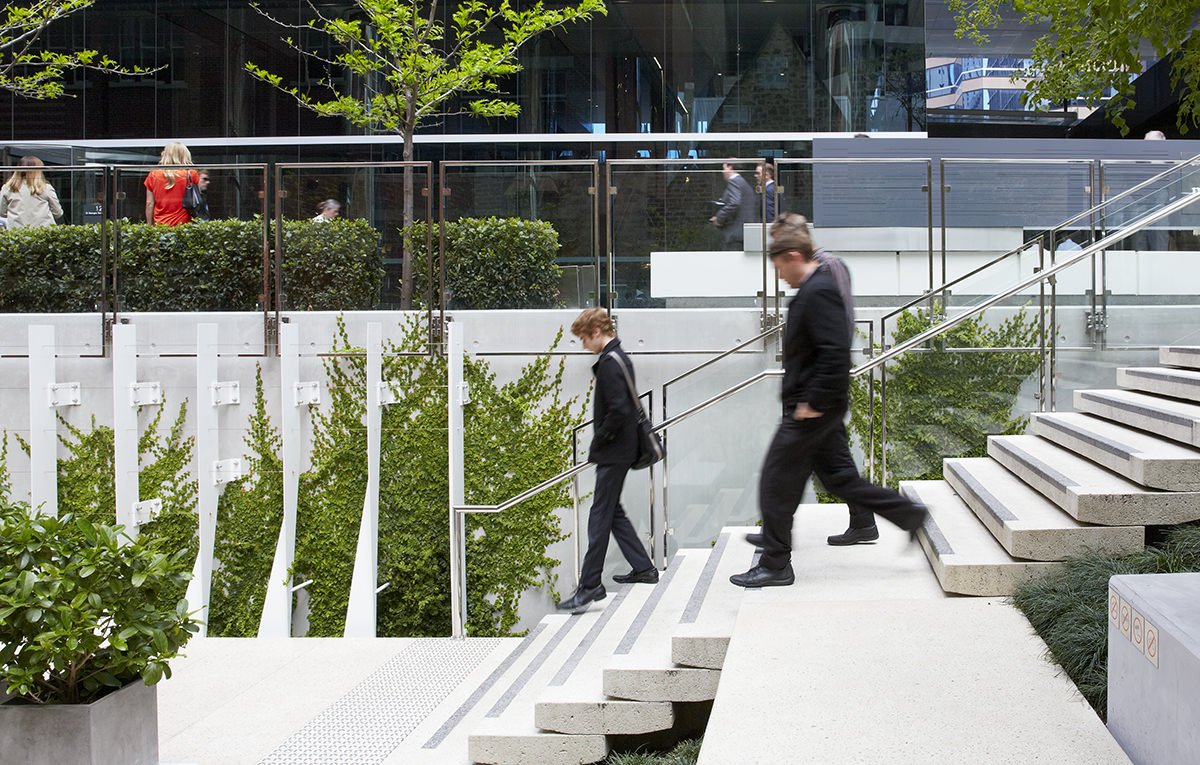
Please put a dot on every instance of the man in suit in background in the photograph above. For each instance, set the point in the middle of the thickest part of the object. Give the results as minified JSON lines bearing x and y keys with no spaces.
{"x":772,"y":202}
{"x":737,"y":207}
{"x":613,"y":450}
{"x":816,"y":396}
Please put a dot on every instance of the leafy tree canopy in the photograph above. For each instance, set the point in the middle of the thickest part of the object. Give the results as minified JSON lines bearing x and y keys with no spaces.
{"x":1094,"y":48}
{"x":31,"y":72}
{"x":413,"y":65}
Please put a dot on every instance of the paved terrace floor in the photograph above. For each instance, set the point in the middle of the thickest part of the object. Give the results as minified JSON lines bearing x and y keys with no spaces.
{"x":863,"y":660}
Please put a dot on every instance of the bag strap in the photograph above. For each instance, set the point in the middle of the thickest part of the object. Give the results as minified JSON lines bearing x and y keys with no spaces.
{"x":629,"y":382}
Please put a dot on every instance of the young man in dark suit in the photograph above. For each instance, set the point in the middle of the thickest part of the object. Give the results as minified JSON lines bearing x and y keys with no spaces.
{"x":613,"y":450}
{"x":816,"y":396}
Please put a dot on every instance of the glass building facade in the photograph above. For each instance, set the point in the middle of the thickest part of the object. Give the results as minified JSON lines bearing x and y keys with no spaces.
{"x":677,"y":66}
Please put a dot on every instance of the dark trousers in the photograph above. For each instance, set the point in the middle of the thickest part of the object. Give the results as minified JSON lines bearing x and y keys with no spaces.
{"x":607,"y":516}
{"x":840,"y":461}
{"x":799,"y":448}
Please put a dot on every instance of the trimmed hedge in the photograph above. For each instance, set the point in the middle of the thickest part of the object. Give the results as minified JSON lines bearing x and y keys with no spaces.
{"x":496,"y":263}
{"x":204,"y":266}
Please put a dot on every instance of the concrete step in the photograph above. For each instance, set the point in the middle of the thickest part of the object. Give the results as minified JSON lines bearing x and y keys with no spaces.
{"x":706,"y":624}
{"x":1176,"y":420}
{"x":965,"y":557}
{"x":1180,"y":356}
{"x":520,"y":734}
{"x":1027,"y":524}
{"x":574,"y":701}
{"x":1178,"y":383}
{"x":1088,"y":492}
{"x":1142,"y":458}
{"x":442,"y":736}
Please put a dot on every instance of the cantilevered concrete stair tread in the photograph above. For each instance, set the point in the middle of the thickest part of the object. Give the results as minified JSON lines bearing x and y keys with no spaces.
{"x":442,"y":736}
{"x":1145,"y":459}
{"x":1026,"y":524}
{"x":1167,"y":417}
{"x":574,"y":700}
{"x":1162,"y":381}
{"x":1087,"y":491}
{"x":702,"y":635}
{"x":1187,"y":356}
{"x":641,"y":668}
{"x":966,"y":558}
{"x":513,"y":736}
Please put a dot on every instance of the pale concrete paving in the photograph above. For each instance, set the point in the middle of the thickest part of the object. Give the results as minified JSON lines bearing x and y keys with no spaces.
{"x":233,"y":701}
{"x":865,"y":660}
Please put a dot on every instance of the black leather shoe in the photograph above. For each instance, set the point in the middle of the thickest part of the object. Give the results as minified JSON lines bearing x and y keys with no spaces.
{"x":854,"y":536}
{"x":755,"y":539}
{"x":761,"y":576}
{"x":584,"y":595}
{"x":649,"y":576}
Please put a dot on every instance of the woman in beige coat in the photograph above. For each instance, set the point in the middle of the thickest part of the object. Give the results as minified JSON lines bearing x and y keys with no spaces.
{"x":27,"y":200}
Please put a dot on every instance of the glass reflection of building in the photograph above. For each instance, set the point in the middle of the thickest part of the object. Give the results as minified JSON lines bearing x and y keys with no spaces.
{"x":684,"y":66}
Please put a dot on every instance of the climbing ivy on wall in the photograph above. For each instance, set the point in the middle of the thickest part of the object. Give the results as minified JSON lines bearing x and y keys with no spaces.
{"x":87,"y":480}
{"x":517,"y":434}
{"x":249,"y":514}
{"x":945,"y":403}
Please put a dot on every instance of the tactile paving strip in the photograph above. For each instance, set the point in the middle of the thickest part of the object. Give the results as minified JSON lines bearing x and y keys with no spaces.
{"x":370,"y":721}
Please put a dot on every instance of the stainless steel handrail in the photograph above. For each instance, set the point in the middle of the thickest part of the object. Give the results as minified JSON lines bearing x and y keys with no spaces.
{"x":1024,"y":246}
{"x":1041,"y":276}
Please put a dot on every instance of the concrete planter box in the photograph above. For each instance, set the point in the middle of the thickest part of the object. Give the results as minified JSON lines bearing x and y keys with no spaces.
{"x":121,"y":728}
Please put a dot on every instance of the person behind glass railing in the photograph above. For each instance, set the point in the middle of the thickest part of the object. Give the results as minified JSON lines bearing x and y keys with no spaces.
{"x":164,"y":187}
{"x":201,"y":212}
{"x":27,"y":199}
{"x":327,"y":211}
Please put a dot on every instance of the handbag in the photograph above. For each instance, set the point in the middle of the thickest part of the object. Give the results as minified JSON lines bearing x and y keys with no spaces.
{"x":650,"y":447}
{"x":192,"y":201}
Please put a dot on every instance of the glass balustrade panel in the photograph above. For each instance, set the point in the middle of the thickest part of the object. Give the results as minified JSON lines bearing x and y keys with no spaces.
{"x":341,"y":240}
{"x":713,"y":463}
{"x":520,"y":236}
{"x":213,"y":258}
{"x":52,"y":257}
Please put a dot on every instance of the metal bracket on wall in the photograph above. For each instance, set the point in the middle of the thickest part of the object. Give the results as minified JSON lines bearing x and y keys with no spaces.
{"x":437,"y":330}
{"x":1096,"y":323}
{"x":63,"y":394}
{"x":145,"y":394}
{"x":307,"y":393}
{"x":146,"y":511}
{"x":224,"y":471}
{"x":226,"y":393}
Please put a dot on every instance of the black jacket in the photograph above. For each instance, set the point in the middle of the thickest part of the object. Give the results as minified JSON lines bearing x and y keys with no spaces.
{"x":816,"y":346}
{"x":614,"y":413}
{"x":738,"y":206}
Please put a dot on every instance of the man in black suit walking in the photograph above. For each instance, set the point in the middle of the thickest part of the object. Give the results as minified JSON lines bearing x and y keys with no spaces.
{"x":613,"y":450}
{"x":816,"y":395}
{"x":737,"y":207}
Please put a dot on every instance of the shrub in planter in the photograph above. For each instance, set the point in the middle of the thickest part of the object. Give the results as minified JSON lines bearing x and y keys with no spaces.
{"x":55,"y":269}
{"x":333,"y":266}
{"x":203,"y":266}
{"x":81,"y":613}
{"x":496,"y":263}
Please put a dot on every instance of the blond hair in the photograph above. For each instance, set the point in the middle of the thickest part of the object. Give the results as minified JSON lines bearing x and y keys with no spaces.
{"x":34,"y":178}
{"x":590,"y":320}
{"x":174,"y":153}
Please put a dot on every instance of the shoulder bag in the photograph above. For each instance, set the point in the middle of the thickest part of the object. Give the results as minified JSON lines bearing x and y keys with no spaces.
{"x":191,"y":195}
{"x":650,"y":447}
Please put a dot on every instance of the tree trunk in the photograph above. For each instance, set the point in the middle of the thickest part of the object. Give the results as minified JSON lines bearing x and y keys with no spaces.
{"x":406,"y":255}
